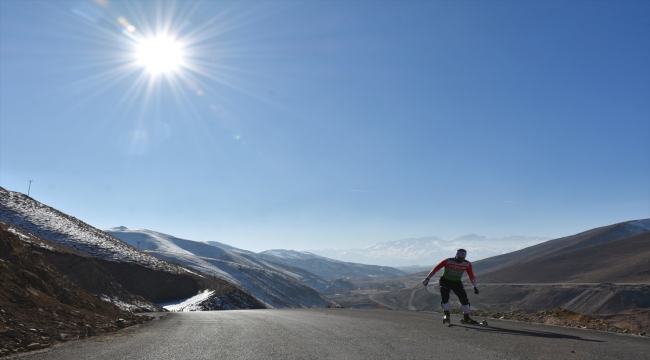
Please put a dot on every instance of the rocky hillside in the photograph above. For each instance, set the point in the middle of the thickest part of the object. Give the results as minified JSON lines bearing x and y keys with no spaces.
{"x":40,"y":306}
{"x":96,"y":260}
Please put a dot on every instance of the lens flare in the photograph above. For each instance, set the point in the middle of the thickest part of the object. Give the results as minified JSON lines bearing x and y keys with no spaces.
{"x":160,"y":54}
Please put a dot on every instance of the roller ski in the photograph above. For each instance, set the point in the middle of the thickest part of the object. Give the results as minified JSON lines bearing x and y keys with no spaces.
{"x":469,"y":321}
{"x":447,"y":318}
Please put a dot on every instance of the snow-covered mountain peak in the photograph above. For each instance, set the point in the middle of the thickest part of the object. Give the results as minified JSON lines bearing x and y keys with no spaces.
{"x":402,"y":243}
{"x":429,"y":250}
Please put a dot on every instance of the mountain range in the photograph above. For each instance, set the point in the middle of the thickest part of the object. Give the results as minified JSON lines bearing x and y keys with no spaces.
{"x":137,"y":269}
{"x":161,"y":268}
{"x":429,"y":250}
{"x":280,"y":278}
{"x":274,"y":284}
{"x":106,"y":266}
{"x":64,"y":279}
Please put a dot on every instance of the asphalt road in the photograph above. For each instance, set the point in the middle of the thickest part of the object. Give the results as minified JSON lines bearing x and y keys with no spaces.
{"x":344,"y":334}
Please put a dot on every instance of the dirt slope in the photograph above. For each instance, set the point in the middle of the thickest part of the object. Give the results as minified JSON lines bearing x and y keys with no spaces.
{"x":562,"y":245}
{"x":625,"y":260}
{"x":40,"y":306}
{"x":83,"y":271}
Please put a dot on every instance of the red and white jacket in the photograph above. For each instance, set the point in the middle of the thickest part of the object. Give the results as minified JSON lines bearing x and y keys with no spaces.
{"x":454,"y":271}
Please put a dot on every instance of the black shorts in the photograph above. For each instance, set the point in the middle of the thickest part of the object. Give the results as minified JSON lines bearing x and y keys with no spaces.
{"x":446,"y":286}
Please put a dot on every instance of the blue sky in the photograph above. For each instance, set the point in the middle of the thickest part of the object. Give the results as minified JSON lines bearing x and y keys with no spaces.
{"x":305,"y":125}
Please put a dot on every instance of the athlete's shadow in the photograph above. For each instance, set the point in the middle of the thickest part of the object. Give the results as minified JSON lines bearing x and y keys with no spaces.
{"x":543,"y":334}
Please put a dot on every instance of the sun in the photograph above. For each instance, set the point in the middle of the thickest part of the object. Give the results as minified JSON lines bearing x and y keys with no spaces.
{"x":174,"y":51}
{"x":160,"y":55}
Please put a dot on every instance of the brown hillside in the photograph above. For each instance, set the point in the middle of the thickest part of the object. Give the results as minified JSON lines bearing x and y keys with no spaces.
{"x":568,"y":243}
{"x":82,"y":270}
{"x":40,"y":306}
{"x":625,"y":260}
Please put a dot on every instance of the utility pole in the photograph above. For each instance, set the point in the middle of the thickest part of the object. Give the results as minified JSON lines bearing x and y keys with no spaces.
{"x":141,"y":241}
{"x":30,"y":187}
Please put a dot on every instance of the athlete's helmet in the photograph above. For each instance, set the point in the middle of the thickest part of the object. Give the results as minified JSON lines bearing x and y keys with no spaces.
{"x":461,"y":253}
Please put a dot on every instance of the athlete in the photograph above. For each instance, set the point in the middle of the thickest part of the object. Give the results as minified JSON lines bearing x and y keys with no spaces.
{"x":450,"y":281}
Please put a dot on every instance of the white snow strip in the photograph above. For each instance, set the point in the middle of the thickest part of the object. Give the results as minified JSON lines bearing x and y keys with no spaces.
{"x":190,"y":304}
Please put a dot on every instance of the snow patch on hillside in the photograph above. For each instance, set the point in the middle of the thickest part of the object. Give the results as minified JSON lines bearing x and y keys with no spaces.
{"x":190,"y":304}
{"x":134,"y":306}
